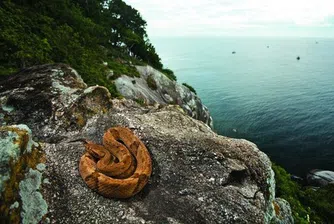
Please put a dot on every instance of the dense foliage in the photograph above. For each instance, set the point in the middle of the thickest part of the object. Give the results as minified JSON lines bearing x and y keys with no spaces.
{"x":308,"y":205}
{"x":82,"y":33}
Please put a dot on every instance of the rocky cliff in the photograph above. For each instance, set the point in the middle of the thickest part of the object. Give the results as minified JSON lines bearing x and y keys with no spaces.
{"x":154,"y":87}
{"x":198,"y":176}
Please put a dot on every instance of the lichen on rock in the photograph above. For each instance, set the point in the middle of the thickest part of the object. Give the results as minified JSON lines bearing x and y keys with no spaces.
{"x":34,"y":207}
{"x":283,"y":214}
{"x":15,"y":140}
{"x":51,"y":98}
{"x":18,"y":153}
{"x":8,"y":150}
{"x":270,"y":214}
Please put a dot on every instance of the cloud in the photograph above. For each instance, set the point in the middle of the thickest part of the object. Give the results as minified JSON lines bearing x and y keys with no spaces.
{"x":187,"y":17}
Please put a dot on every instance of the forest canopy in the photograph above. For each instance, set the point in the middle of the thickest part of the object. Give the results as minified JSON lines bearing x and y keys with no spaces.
{"x":81,"y":33}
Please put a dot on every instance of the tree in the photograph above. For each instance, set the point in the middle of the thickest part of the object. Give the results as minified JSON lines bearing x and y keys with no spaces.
{"x":82,"y":33}
{"x":128,"y":31}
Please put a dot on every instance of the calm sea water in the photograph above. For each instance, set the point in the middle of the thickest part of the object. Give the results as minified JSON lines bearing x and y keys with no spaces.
{"x":263,"y":94}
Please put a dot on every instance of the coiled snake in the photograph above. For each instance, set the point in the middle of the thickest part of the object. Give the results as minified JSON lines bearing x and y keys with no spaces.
{"x":120,"y":167}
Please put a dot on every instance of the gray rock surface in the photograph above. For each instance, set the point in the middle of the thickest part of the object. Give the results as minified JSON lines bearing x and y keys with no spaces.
{"x":198,"y":176}
{"x":319,"y":178}
{"x":282,"y":211}
{"x":51,"y":100}
{"x":167,"y":92}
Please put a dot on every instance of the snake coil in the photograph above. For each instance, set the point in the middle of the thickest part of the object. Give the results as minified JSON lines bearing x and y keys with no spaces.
{"x":120,"y":167}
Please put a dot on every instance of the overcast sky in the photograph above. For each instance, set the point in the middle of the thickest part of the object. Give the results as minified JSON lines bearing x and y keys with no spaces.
{"x":237,"y":17}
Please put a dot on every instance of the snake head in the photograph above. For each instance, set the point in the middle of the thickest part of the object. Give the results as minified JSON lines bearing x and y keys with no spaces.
{"x":97,"y":151}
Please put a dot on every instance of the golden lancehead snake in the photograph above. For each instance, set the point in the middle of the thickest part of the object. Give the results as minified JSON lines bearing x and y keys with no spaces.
{"x":120,"y":167}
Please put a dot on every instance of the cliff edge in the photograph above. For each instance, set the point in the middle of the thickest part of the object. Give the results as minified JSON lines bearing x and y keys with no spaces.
{"x":198,"y":176}
{"x":154,"y":87}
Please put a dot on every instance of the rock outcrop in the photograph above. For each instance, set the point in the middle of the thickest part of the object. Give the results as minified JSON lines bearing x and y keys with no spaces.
{"x":154,"y":87}
{"x":283,"y":213}
{"x":320,"y":178}
{"x":197,"y":177}
{"x":21,"y":168}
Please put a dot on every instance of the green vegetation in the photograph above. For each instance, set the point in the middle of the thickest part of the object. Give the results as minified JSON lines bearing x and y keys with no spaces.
{"x":151,"y":82}
{"x":321,"y":201}
{"x":81,"y":33}
{"x":290,"y":191}
{"x":169,"y":73}
{"x":122,"y":68}
{"x":308,"y":205}
{"x":190,"y":87}
{"x":141,"y":102}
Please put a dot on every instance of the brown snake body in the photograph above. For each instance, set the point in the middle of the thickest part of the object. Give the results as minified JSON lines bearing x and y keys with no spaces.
{"x":120,"y":167}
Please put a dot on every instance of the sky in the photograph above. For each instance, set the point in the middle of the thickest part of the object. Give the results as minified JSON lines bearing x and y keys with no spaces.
{"x":310,"y":18}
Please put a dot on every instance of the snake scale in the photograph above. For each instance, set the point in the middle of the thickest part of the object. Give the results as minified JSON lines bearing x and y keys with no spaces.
{"x":120,"y":167}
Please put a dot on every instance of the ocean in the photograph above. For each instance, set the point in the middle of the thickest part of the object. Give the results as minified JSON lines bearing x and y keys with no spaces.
{"x":262,"y":93}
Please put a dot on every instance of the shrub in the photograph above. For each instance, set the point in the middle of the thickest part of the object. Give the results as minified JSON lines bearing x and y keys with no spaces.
{"x":321,"y":202}
{"x":305,"y":201}
{"x":141,"y":102}
{"x":190,"y":88}
{"x":169,"y":73}
{"x":151,"y":82}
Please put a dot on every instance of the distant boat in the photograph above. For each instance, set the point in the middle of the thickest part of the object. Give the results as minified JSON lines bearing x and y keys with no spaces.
{"x":298,"y":58}
{"x":233,"y":52}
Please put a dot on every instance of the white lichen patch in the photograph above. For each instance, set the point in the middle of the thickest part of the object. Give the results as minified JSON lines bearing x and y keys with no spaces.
{"x":30,"y":143}
{"x":7,"y":108}
{"x":192,"y":104}
{"x":46,"y":181}
{"x":270,"y":213}
{"x":8,"y":150}
{"x":90,"y":89}
{"x":58,"y":86}
{"x":67,"y":94}
{"x":63,"y":89}
{"x":4,"y":106}
{"x":77,"y":76}
{"x":34,"y":207}
{"x":14,"y":205}
{"x":41,"y":167}
{"x":57,"y":72}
